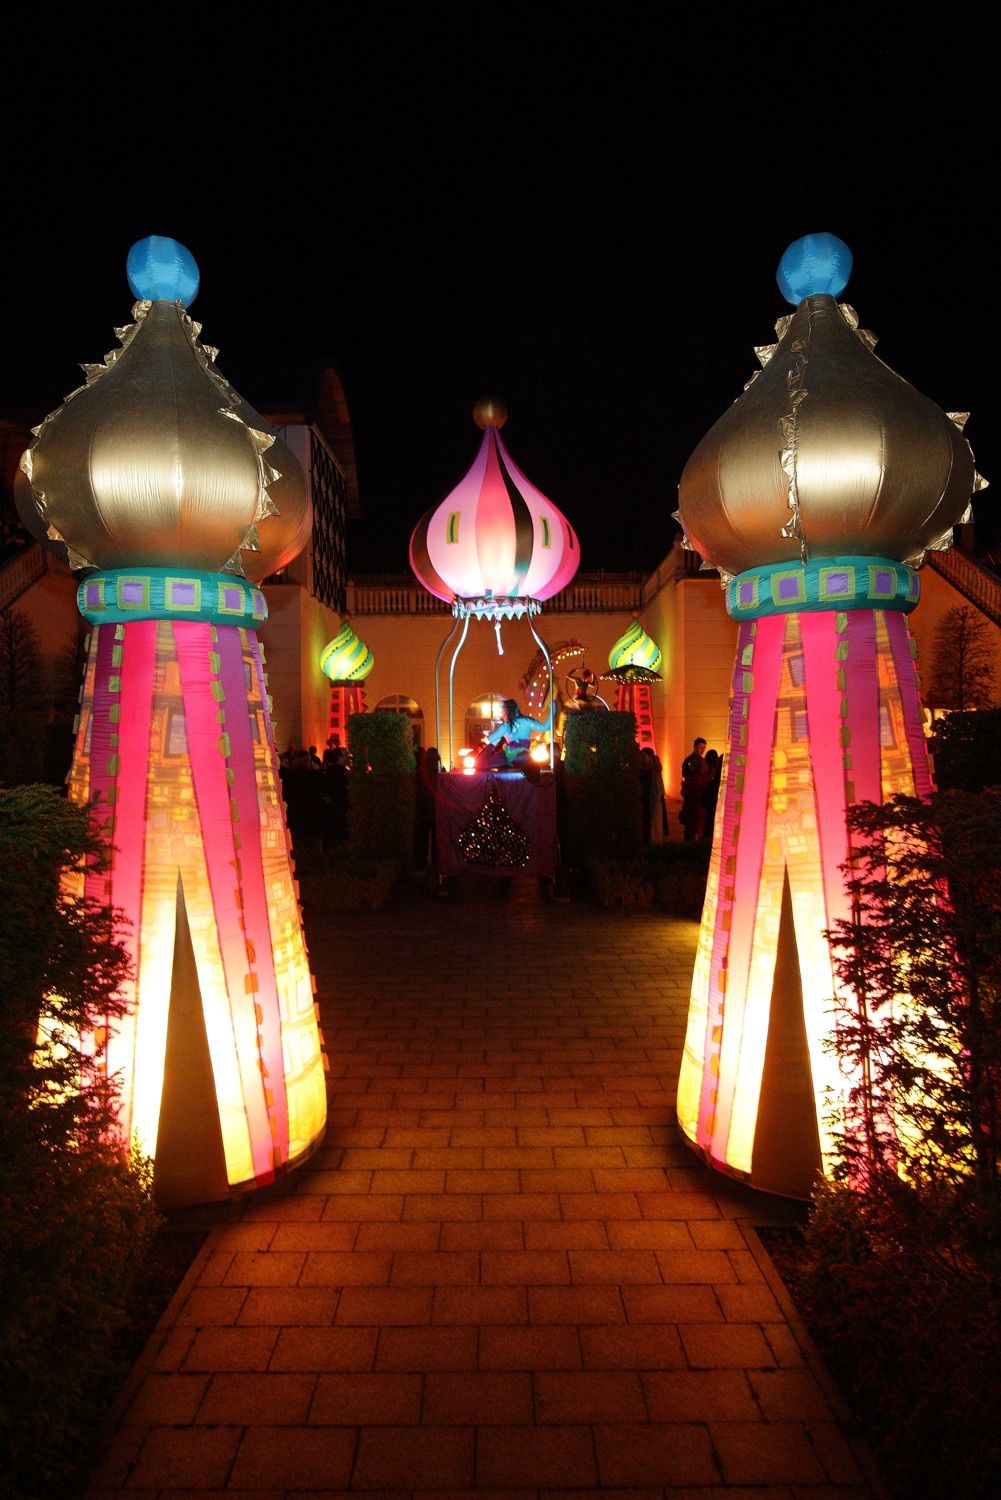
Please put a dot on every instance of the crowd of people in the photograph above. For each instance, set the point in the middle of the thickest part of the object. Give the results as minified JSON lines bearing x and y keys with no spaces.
{"x":316,"y":795}
{"x":315,"y":791}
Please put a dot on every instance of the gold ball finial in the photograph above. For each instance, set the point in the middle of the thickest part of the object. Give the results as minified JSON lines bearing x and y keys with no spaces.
{"x":489,"y":412}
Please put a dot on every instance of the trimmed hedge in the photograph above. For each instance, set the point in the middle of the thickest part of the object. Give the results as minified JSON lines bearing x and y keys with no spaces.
{"x":381,"y":787}
{"x":671,"y":877}
{"x":602,"y":778}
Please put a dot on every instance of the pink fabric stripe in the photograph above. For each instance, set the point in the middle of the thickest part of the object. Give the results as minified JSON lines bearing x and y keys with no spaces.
{"x":767,"y":669}
{"x":101,"y":780}
{"x":255,"y":904}
{"x":907,"y":683}
{"x":459,"y":561}
{"x":863,"y":707}
{"x":495,"y":532}
{"x":135,"y":701}
{"x":193,"y":642}
{"x":723,"y":853}
{"x":820,"y":642}
{"x":262,"y":688}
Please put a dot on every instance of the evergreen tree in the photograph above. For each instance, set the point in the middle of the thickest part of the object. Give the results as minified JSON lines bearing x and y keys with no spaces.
{"x":962,"y":674}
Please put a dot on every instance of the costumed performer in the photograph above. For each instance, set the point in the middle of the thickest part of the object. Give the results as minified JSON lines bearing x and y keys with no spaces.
{"x":516,"y":733}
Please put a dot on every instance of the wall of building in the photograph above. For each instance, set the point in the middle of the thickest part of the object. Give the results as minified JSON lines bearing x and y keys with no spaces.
{"x":938,"y":596}
{"x":297,"y":629}
{"x":50,"y":608}
{"x":405,"y":648}
{"x":686,"y":616}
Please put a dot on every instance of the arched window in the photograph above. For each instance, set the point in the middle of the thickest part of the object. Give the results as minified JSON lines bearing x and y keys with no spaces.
{"x":398,"y":703}
{"x":482,"y":715}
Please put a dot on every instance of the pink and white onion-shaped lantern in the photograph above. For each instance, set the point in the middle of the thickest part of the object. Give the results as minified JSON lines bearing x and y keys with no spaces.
{"x":495,"y":548}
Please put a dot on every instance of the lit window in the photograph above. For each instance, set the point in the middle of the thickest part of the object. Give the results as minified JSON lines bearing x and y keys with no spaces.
{"x":546,"y":539}
{"x":483,"y":715}
{"x":399,"y":703}
{"x":452,"y":531}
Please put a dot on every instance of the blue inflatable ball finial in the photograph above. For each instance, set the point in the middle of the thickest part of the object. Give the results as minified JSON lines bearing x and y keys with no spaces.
{"x":162,"y":270}
{"x":816,"y":264}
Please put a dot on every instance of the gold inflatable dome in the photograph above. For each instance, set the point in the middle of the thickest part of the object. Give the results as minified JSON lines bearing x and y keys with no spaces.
{"x":156,"y":461}
{"x":827,"y":453}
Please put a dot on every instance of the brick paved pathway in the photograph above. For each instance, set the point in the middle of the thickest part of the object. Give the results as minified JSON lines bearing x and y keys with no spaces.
{"x":503,"y":1274}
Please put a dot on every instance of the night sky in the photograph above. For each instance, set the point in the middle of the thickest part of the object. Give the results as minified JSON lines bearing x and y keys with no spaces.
{"x":580,"y":215}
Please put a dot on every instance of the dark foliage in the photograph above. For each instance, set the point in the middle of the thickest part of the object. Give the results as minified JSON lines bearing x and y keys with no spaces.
{"x":967,"y":750}
{"x":37,"y":708}
{"x":901,"y":1278}
{"x":76,"y":1214}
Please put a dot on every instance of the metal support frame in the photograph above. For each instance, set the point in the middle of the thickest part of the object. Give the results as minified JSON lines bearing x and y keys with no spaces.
{"x":437,"y":692}
{"x":464,"y":610}
{"x":552,"y":706}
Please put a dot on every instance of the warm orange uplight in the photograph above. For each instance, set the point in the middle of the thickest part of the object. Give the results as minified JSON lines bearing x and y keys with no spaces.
{"x":540,"y":753}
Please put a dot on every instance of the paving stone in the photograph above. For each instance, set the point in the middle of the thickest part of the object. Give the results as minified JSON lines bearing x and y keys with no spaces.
{"x":726,"y":1346}
{"x":294,"y":1306}
{"x":206,"y":1305}
{"x":423,"y":1235}
{"x":188,"y":1457}
{"x":267,"y":1268}
{"x":313,"y":1236}
{"x":295,"y":1458}
{"x":840,"y":1464}
{"x":415,"y":1458}
{"x":671,"y":1304}
{"x":766,"y":1453}
{"x":436,"y":1348}
{"x":632,"y":1347}
{"x":655,"y":1453}
{"x":613,"y":1267}
{"x":694,"y":1395}
{"x":522,"y":1206}
{"x":527,"y":1348}
{"x":525,"y":1267}
{"x":589,"y":1396}
{"x":473,"y":1398}
{"x":535,"y":1456}
{"x":480,"y":1304}
{"x":320,"y":1349}
{"x":485,"y":1234}
{"x":231,"y":1349}
{"x":369,"y":1307}
{"x":578,"y":1234}
{"x":166,"y":1399}
{"x":577,"y":1304}
{"x":364,"y":1400}
{"x":245,"y":1399}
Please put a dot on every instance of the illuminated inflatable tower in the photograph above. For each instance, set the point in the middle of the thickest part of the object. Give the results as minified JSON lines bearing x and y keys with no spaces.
{"x":347,"y":661}
{"x":816,"y":495}
{"x":154,"y":477}
{"x":632,"y":664}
